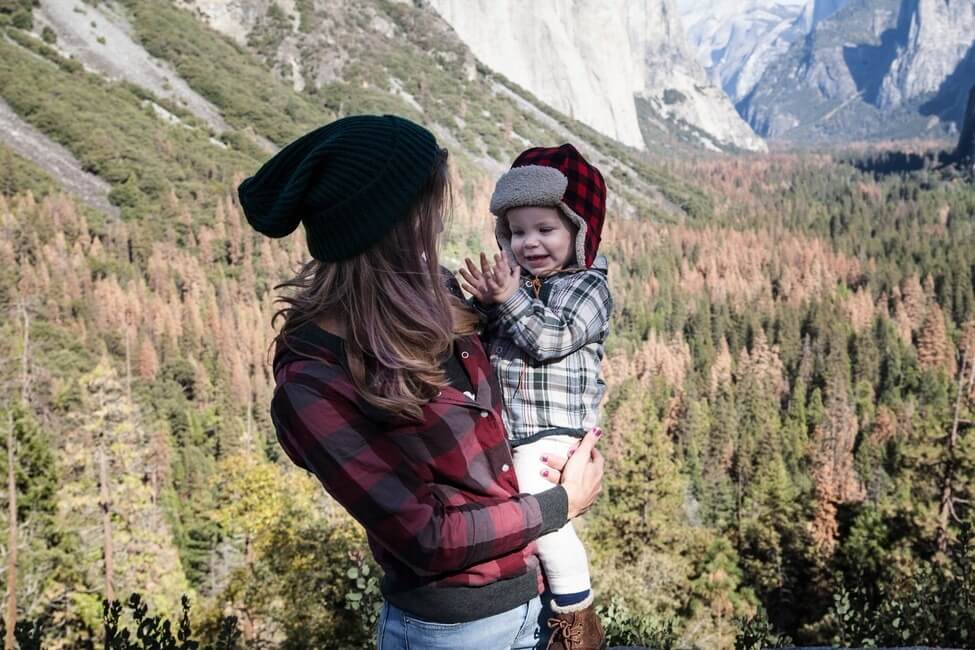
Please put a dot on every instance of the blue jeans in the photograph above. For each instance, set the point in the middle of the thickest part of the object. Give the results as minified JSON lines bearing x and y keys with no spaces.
{"x":516,"y":629}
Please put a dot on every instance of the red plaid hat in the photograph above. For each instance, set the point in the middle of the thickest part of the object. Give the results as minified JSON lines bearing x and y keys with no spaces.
{"x":556,"y":177}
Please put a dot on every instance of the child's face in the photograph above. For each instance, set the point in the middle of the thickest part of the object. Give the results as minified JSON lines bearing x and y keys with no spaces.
{"x":542,"y":240}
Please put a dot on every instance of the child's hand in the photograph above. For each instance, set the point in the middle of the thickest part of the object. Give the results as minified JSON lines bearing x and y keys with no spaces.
{"x":474,"y":282}
{"x":501,"y":279}
{"x":491,"y":283}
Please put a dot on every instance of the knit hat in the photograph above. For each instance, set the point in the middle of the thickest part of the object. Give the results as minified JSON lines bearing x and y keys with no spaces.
{"x":349,"y":182}
{"x":556,"y":177}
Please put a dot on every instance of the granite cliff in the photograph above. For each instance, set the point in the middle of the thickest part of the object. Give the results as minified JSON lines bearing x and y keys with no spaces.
{"x":620,"y":66}
{"x":966,"y":143}
{"x":874,"y":69}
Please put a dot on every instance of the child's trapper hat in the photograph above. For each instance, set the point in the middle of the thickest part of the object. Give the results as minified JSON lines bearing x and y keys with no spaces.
{"x":557,"y":177}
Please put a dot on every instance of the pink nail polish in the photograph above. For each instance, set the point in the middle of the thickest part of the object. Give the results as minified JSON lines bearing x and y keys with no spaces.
{"x":544,"y":472}
{"x":599,"y":432}
{"x":544,"y":459}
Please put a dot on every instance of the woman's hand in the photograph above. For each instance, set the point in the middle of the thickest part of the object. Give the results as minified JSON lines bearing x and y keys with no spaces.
{"x":581,"y":475}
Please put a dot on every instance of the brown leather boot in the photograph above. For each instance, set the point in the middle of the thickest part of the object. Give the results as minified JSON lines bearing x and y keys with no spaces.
{"x":576,"y":627}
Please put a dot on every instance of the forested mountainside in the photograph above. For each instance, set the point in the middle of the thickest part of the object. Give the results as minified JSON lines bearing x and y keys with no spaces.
{"x":790,"y":371}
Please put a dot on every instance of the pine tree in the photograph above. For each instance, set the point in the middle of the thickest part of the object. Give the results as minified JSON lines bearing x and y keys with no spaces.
{"x":834,"y":474}
{"x":795,"y":431}
{"x":645,"y":491}
{"x":45,"y":566}
{"x":934,"y":349}
{"x":142,"y":551}
{"x":958,"y":461}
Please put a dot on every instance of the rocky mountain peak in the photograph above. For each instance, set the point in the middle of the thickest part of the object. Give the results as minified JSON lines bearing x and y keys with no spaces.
{"x":736,"y":40}
{"x":874,"y":69}
{"x":816,"y":11}
{"x":939,"y":34}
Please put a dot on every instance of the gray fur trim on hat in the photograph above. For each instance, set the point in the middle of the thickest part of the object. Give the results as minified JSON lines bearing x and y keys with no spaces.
{"x":533,"y":185}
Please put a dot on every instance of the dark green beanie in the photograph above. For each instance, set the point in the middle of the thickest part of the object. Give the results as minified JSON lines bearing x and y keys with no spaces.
{"x":349,"y":182}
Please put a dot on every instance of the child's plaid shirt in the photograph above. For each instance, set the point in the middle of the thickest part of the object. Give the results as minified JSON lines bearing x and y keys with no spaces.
{"x":547,"y":351}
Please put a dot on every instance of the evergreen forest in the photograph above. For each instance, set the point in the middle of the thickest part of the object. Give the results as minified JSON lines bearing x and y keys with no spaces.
{"x":791,"y":371}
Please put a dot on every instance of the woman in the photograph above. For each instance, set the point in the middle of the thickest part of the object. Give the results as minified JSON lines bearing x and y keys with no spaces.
{"x":385,"y":393}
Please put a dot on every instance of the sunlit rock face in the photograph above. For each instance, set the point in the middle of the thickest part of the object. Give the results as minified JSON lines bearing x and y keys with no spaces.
{"x":736,"y":40}
{"x":600,"y":61}
{"x":872,"y":69}
{"x":940,"y":34}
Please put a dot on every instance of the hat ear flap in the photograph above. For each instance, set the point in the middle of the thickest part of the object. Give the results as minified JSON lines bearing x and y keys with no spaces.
{"x":582,"y":231}
{"x":502,"y":234}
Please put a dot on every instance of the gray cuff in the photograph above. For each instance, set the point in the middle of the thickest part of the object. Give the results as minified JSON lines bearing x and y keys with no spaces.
{"x":554,"y":505}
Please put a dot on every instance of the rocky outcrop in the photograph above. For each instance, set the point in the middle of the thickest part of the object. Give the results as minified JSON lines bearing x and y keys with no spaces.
{"x":875,"y":69}
{"x":816,"y":11}
{"x":101,"y":39}
{"x":966,"y":143}
{"x":599,"y":62}
{"x":736,"y":41}
{"x":58,"y":162}
{"x":940,"y":34}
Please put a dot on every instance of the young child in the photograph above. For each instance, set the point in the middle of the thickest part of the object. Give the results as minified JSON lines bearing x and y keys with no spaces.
{"x":547,"y":304}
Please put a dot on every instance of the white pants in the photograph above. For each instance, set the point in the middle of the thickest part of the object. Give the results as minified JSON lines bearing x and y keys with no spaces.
{"x":563,"y":556}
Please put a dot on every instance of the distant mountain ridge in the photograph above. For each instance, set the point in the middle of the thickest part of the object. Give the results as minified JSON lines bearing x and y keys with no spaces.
{"x":875,"y":69}
{"x":736,"y":41}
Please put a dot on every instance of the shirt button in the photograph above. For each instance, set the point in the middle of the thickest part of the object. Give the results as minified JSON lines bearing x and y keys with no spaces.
{"x":464,"y":355}
{"x":484,"y":414}
{"x":505,"y":467}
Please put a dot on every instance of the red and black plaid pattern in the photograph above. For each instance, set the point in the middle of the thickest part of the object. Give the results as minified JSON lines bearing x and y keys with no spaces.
{"x":439,"y":499}
{"x":585,"y":193}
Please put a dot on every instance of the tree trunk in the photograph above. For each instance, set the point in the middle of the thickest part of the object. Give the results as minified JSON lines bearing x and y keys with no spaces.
{"x":948,"y":498}
{"x":11,"y":619}
{"x":106,"y":507}
{"x":25,"y":357}
{"x":128,"y":366}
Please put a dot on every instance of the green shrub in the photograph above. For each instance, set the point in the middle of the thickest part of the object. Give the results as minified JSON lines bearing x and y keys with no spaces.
{"x":624,"y":627}
{"x":935,"y":606}
{"x":22,"y":20}
{"x":757,"y":633}
{"x":156,"y":632}
{"x":19,"y":175}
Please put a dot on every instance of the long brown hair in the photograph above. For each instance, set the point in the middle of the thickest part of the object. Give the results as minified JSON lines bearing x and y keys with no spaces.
{"x":399,"y":320}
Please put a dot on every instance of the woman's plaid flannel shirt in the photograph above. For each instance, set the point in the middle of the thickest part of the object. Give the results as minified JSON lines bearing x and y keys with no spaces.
{"x":439,"y":499}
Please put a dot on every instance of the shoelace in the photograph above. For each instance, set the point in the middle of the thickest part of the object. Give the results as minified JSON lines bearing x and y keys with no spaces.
{"x":571,"y":634}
